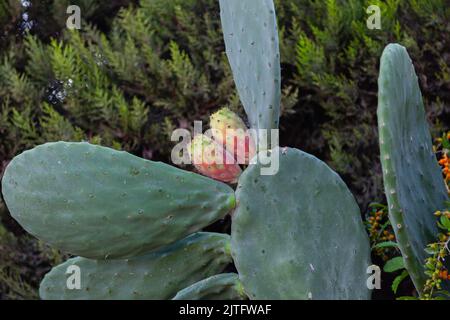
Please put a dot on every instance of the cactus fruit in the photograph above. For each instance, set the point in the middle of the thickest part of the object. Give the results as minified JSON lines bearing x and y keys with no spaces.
{"x":100,"y":203}
{"x":158,"y":275}
{"x":299,"y":234}
{"x":224,"y":286}
{"x":211,"y":159}
{"x":252,"y":45}
{"x":229,"y":129}
{"x":412,"y":179}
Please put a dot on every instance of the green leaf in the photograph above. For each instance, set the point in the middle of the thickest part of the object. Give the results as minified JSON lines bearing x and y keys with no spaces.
{"x":445,"y":141}
{"x":394,"y":264}
{"x":386,"y":244}
{"x":378,"y":206}
{"x":399,"y":280}
{"x":445,"y":222}
{"x":430,"y":251}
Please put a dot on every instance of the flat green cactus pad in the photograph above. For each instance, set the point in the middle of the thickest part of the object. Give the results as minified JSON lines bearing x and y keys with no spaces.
{"x":158,"y":275}
{"x":251,"y":39}
{"x":100,"y":203}
{"x":413,"y":182}
{"x":299,"y":234}
{"x":224,"y":286}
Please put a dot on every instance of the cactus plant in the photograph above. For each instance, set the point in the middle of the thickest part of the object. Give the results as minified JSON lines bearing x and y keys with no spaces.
{"x":296,"y":234}
{"x":412,"y":179}
{"x":100,"y":203}
{"x":157,"y":275}
{"x":224,"y":286}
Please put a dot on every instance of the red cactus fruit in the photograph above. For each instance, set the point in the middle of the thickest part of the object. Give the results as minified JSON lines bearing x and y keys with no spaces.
{"x":230,"y":130}
{"x":212,"y":160}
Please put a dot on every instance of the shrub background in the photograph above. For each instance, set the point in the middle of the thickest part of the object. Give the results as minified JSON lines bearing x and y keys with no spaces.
{"x":139,"y":69}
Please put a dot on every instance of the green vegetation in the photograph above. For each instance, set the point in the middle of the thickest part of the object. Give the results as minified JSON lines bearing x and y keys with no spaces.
{"x":131,"y":76}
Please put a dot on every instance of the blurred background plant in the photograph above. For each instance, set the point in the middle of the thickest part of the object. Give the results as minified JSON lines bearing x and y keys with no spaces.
{"x":139,"y":69}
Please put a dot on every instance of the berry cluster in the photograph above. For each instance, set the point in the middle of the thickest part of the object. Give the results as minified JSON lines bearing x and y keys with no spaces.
{"x":435,"y":265}
{"x":442,"y":149}
{"x":380,"y":230}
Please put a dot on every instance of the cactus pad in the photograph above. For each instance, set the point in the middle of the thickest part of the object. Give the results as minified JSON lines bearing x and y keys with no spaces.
{"x":251,"y":39}
{"x":158,"y":275}
{"x":224,"y":286}
{"x":299,"y":234}
{"x":412,"y":179}
{"x":100,"y":203}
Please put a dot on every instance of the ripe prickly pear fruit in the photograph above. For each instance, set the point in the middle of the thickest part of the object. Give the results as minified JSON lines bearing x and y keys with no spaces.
{"x":212,"y":160}
{"x":229,"y":129}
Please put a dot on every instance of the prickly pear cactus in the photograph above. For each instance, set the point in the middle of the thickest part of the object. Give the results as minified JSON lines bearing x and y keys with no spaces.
{"x":100,"y":203}
{"x":224,"y":286}
{"x":158,"y":275}
{"x":251,"y":39}
{"x":412,"y":179}
{"x":299,"y":234}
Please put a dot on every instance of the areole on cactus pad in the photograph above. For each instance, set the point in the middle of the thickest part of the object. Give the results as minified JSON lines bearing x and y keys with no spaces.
{"x":295,"y":234}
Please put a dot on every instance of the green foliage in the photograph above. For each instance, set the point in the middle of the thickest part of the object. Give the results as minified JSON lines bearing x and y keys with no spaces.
{"x":24,"y":261}
{"x":437,"y":265}
{"x":437,"y":280}
{"x":394,"y":264}
{"x":336,"y":60}
{"x":148,"y":205}
{"x":126,"y":80}
{"x":398,"y":280}
{"x":162,"y":66}
{"x":9,"y":20}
